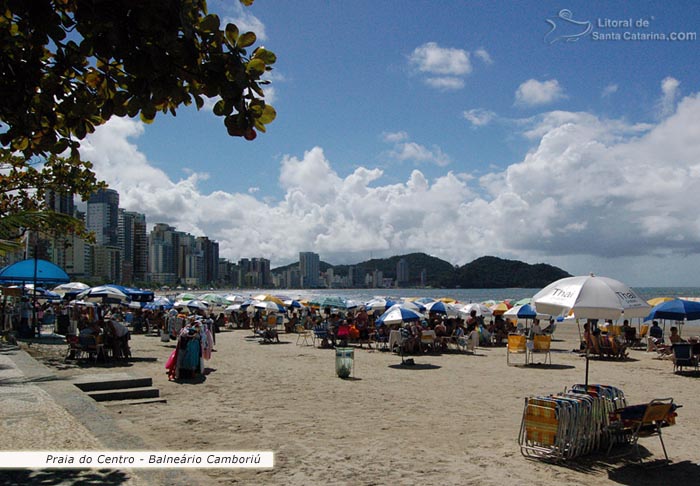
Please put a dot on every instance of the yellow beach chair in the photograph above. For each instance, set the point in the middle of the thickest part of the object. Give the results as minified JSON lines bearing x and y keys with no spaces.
{"x":517,"y":344}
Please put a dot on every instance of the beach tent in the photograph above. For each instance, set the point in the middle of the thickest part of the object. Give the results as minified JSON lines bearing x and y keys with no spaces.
{"x":34,"y":270}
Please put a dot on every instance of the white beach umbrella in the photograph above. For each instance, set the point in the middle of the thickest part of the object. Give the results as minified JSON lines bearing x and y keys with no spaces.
{"x":481,"y":309}
{"x":103,"y":292}
{"x":590,"y":297}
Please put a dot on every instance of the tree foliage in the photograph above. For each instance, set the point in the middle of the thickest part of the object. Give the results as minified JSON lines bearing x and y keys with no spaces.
{"x":68,"y":66}
{"x":23,"y":189}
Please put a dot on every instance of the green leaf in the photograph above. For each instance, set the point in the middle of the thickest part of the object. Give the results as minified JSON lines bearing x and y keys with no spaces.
{"x":268,"y":57}
{"x":232,"y":33}
{"x":220,"y":108}
{"x":247,"y":39}
{"x":268,"y":114}
{"x":210,"y":23}
{"x":255,"y":65}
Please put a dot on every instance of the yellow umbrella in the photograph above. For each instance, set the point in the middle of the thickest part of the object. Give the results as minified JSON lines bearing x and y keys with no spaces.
{"x":499,"y":308}
{"x":269,"y":298}
{"x":447,"y":300}
{"x":657,"y":300}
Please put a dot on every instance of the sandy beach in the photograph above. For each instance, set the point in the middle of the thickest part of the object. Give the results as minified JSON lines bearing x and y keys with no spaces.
{"x":452,"y":419}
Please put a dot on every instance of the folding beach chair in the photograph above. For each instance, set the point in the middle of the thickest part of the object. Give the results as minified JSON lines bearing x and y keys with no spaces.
{"x":541,"y":429}
{"x":303,"y":335}
{"x":517,"y":344}
{"x":646,"y":420}
{"x":683,"y":357}
{"x":541,"y":344}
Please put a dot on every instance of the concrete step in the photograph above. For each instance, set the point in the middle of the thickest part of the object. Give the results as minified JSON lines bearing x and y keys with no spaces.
{"x":135,"y":401}
{"x":114,"y":384}
{"x":124,"y":394}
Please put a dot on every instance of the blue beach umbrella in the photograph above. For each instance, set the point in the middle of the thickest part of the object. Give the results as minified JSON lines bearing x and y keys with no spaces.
{"x":676,"y":309}
{"x":521,"y":312}
{"x":379,"y":304}
{"x":398,"y":315}
{"x":439,"y":307}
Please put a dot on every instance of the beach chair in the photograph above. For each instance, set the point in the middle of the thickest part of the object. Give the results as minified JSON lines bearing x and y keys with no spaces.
{"x":427,"y":340}
{"x":541,"y":344}
{"x":303,"y":335}
{"x":517,"y":344}
{"x":320,"y":333}
{"x":540,"y":432}
{"x":640,"y":337}
{"x":683,"y":357}
{"x":646,"y":420}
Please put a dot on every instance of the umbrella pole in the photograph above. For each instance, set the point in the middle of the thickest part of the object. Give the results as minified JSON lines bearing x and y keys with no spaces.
{"x":587,"y":361}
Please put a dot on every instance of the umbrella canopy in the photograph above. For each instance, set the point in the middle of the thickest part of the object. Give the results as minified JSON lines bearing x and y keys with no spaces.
{"x":657,"y":300}
{"x":441,"y":307}
{"x":525,"y":312}
{"x":526,"y":300}
{"x":413,"y":305}
{"x":70,"y":287}
{"x":269,"y":306}
{"x":192,"y":304}
{"x":676,"y":309}
{"x":292,"y":304}
{"x":186,"y":296}
{"x":103,"y":293}
{"x":234,"y":298}
{"x":424,"y":300}
{"x":500,"y":308}
{"x":214,"y":299}
{"x":590,"y":297}
{"x":137,"y":295}
{"x":379,"y":303}
{"x":269,"y":298}
{"x":34,"y":270}
{"x":40,"y":292}
{"x":398,"y":315}
{"x":481,"y":309}
{"x":159,"y":302}
{"x":333,"y":301}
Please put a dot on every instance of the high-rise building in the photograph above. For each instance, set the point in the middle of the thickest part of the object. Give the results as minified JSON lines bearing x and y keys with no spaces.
{"x":210,"y":259}
{"x":103,"y":217}
{"x":402,"y":272}
{"x":162,"y":263}
{"x":309,"y":269}
{"x":133,"y":242}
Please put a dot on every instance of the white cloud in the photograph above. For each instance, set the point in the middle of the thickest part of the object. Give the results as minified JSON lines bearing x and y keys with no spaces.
{"x":433,"y":59}
{"x":669,"y":95}
{"x":245,"y":21}
{"x":590,"y":194}
{"x":538,"y":93}
{"x":445,"y":83}
{"x":483,"y":55}
{"x":479,"y":117}
{"x":406,"y":150}
{"x":609,"y":90}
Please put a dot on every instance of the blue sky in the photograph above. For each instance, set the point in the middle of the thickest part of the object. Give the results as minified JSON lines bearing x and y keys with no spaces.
{"x":454,"y":128}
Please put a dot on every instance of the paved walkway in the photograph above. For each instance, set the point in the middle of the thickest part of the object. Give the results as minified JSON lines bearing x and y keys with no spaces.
{"x":43,"y":413}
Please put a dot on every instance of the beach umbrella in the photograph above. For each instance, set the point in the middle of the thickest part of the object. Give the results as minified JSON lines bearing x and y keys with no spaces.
{"x":292,"y":304}
{"x":526,"y":300}
{"x":657,"y":300}
{"x":234,"y":298}
{"x":481,"y":309}
{"x":214,"y":299}
{"x":379,"y":303}
{"x":269,"y":298}
{"x":500,"y":308}
{"x":448,"y":300}
{"x":590,"y":297}
{"x":104,"y":293}
{"x":676,"y":309}
{"x":159,"y":302}
{"x":269,"y":305}
{"x":34,"y":270}
{"x":398,"y":315}
{"x":333,"y":301}
{"x":186,"y":296}
{"x":440,"y":307}
{"x":413,"y":305}
{"x":424,"y":300}
{"x":70,"y":287}
{"x":525,"y":311}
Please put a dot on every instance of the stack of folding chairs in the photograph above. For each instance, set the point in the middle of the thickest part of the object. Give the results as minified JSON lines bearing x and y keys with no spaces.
{"x":570,"y":424}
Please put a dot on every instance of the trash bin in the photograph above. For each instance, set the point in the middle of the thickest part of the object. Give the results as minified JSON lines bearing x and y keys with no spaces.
{"x":344,"y":359}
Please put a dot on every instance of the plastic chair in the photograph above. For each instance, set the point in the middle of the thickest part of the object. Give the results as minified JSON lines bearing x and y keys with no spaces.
{"x":517,"y":344}
{"x":303,"y":335}
{"x":541,"y":344}
{"x":683,"y":357}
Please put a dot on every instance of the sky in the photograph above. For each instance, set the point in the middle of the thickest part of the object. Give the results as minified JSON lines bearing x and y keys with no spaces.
{"x":547,"y":132}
